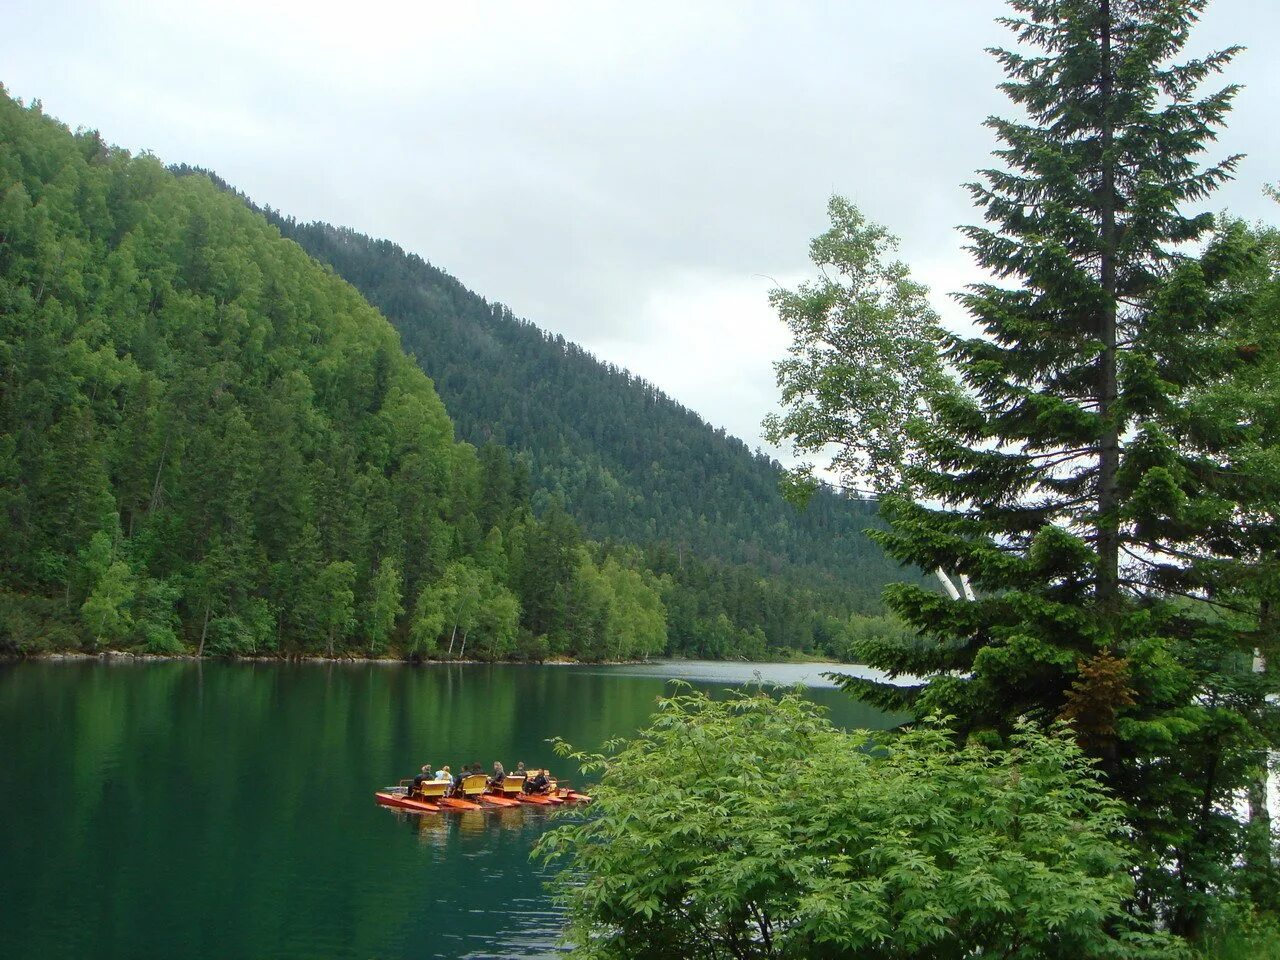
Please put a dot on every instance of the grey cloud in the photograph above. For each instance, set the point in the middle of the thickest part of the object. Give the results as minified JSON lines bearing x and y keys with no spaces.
{"x":582,"y":161}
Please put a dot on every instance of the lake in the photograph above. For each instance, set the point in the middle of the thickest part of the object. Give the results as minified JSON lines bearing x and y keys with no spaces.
{"x":225,"y":810}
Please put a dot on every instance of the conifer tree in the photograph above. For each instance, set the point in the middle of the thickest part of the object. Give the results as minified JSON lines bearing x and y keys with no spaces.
{"x":1058,"y":472}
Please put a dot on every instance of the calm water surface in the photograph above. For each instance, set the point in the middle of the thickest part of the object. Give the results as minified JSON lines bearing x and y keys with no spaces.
{"x":182,"y":810}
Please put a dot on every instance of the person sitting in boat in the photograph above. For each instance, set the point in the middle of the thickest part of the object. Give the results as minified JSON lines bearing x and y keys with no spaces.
{"x":520,"y":770}
{"x":538,"y":783}
{"x":499,"y":774}
{"x":444,"y":773}
{"x":418,"y":780}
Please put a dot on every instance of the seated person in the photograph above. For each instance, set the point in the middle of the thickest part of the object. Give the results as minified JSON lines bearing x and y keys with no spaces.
{"x":538,"y":783}
{"x":520,"y":770}
{"x":417,"y":781}
{"x":499,"y":774}
{"x":444,"y":773}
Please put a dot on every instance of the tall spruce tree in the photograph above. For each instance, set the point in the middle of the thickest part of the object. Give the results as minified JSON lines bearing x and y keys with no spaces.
{"x":1060,"y":477}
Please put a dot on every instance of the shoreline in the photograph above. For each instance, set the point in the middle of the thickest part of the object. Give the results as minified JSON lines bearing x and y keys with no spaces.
{"x":127,"y":656}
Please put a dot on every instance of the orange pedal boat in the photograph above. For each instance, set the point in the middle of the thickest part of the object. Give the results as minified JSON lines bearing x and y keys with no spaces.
{"x":555,"y":795}
{"x":429,"y":798}
{"x":475,"y":792}
{"x":401,"y":801}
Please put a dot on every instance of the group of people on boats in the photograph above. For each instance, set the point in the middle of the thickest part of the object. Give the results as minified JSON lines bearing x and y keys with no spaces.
{"x":535,"y":781}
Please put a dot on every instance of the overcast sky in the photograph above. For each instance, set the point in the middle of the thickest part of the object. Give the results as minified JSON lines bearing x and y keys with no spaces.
{"x":635,"y":176}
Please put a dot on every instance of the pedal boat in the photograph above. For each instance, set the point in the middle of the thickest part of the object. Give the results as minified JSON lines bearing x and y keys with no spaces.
{"x":476,"y":789}
{"x":565,"y":794}
{"x":429,"y":798}
{"x":512,"y":790}
{"x":554,"y":795}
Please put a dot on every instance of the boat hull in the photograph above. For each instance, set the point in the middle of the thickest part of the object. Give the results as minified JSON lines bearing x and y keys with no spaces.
{"x":457,"y":803}
{"x":498,"y":800}
{"x":540,"y":800}
{"x":401,"y":802}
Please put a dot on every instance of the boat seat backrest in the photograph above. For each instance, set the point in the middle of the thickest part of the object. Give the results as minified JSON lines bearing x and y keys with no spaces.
{"x":476,"y":783}
{"x":512,"y":784}
{"x":434,"y":788}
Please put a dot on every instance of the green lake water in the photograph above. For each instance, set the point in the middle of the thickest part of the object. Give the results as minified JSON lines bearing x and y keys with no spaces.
{"x":185,"y":810}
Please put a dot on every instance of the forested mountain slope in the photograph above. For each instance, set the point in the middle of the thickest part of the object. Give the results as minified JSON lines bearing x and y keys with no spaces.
{"x":210,"y":443}
{"x":629,"y":462}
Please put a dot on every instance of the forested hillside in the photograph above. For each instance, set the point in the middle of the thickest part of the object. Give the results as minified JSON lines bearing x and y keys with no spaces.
{"x":209,"y":443}
{"x":629,"y":462}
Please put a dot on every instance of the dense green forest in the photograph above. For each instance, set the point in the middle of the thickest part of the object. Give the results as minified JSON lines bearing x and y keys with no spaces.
{"x":209,"y":443}
{"x":628,"y":462}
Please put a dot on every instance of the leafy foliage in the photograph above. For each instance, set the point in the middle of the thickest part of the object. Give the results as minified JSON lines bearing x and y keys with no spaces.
{"x":864,"y":368}
{"x":751,"y":827}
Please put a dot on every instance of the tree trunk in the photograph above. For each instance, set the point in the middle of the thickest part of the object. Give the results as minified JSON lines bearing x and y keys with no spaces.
{"x":453,"y":636}
{"x":1108,"y":528}
{"x":155,"y":487}
{"x":204,"y":628}
{"x":1258,"y":842}
{"x":462,"y":652}
{"x":1257,"y":850}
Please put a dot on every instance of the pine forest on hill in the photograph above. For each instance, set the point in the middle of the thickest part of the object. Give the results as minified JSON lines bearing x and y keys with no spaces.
{"x":633,"y":465}
{"x":629,"y":462}
{"x":210,"y":444}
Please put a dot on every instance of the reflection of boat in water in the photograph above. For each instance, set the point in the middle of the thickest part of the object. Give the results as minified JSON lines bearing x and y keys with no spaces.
{"x":478,"y":792}
{"x":432,"y":831}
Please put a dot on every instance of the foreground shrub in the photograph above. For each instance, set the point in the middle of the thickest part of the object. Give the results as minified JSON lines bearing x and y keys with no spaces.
{"x":752,"y":827}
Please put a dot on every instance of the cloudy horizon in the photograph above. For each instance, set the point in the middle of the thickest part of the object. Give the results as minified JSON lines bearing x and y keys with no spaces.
{"x":634,"y":179}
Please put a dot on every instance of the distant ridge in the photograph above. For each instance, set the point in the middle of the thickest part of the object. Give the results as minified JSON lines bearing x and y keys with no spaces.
{"x":628,"y":461}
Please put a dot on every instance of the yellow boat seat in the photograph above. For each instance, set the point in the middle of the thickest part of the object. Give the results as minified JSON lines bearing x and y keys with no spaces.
{"x":474,"y":785}
{"x":512,"y":786}
{"x":434,"y":788}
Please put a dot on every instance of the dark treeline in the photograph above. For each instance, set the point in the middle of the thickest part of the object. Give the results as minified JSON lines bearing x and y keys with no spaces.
{"x":210,"y":444}
{"x":720,"y":610}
